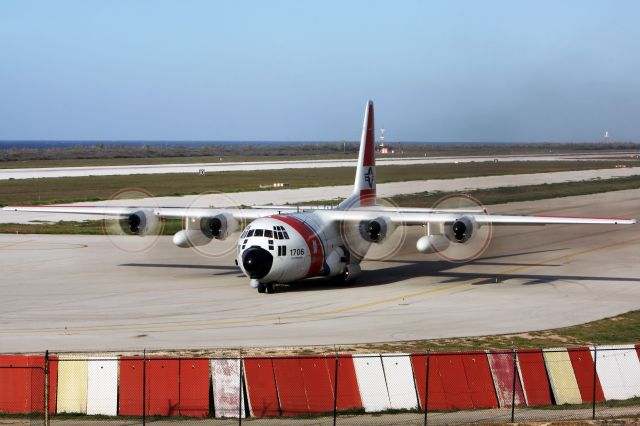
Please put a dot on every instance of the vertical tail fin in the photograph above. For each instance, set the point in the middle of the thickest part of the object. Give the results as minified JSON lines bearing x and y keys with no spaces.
{"x":364,"y":188}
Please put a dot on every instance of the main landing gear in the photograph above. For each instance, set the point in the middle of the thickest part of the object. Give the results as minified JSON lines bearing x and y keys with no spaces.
{"x":269,"y":288}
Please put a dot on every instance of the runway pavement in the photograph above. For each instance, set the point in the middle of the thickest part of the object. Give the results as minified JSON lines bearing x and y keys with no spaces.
{"x":300,"y":195}
{"x":28,"y":173}
{"x":82,"y":293}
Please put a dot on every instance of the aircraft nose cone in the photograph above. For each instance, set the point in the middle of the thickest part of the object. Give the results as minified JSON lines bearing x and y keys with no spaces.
{"x":257,"y":262}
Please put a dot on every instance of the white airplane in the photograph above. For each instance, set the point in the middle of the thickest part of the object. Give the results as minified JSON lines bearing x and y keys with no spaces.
{"x":286,"y":244}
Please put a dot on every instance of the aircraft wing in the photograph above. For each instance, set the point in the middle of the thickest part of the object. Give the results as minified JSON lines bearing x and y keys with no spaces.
{"x":450,"y":216}
{"x":163,"y":212}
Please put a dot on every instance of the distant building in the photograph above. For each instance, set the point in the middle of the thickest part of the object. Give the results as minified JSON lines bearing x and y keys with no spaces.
{"x":382,"y":148}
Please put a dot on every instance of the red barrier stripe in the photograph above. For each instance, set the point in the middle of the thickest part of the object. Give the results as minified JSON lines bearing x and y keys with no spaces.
{"x":130,"y":386}
{"x":454,"y":382}
{"x":479,"y":380}
{"x":348,"y":389}
{"x":583,"y":367}
{"x":501,"y":363}
{"x":317,"y":384}
{"x":534,"y":377}
{"x":316,"y":250}
{"x":22,"y":384}
{"x":163,"y":392}
{"x":261,"y":387}
{"x":290,"y":385}
{"x":194,"y":387}
{"x":437,"y":397}
{"x":15,"y":384}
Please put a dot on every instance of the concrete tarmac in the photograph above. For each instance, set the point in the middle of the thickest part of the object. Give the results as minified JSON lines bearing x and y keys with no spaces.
{"x":195,"y":168}
{"x":75,"y":293}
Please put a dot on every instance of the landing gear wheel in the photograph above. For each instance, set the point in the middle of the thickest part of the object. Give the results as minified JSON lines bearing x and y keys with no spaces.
{"x":271,"y":288}
{"x":261,"y":288}
{"x":343,"y":280}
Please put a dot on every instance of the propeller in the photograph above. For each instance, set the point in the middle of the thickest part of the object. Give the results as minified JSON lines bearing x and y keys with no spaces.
{"x":216,"y":227}
{"x":376,"y":239}
{"x":468,"y":239}
{"x":141,"y":229}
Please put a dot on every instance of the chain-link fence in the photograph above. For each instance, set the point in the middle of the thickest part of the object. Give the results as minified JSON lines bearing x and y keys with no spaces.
{"x":420,"y":388}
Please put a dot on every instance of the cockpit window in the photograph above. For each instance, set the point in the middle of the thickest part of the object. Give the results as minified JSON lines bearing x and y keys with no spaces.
{"x":280,"y":235}
{"x":286,"y":236}
{"x":250,"y":233}
{"x":268,"y":233}
{"x":258,"y":233}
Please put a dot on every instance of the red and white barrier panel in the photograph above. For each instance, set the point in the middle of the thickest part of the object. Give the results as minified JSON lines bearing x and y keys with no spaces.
{"x":582,"y":363}
{"x":562,"y":378}
{"x":371,"y":382}
{"x":73,"y":374}
{"x":22,"y":384}
{"x":400,"y":384}
{"x":619,"y":371}
{"x":261,"y":387}
{"x":503,"y":369}
{"x":228,"y":395}
{"x":102,"y":386}
{"x":533,"y":375}
{"x":300,"y":386}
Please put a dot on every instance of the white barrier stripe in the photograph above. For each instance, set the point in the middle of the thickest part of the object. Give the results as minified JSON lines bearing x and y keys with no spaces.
{"x":102,"y":389}
{"x":400,"y":383}
{"x":371,"y":381}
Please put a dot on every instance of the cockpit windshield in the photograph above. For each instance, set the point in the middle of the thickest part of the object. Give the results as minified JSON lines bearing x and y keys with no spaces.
{"x":278,"y":233}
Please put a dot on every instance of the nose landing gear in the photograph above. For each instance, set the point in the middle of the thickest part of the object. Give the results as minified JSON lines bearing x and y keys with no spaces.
{"x":268,"y":288}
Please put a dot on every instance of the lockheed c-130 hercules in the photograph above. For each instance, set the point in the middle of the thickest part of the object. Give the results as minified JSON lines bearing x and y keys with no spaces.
{"x":288,"y":243}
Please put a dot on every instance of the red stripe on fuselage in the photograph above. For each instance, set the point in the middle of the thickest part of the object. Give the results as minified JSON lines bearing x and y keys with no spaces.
{"x":367,"y":197}
{"x":369,"y":157}
{"x":309,"y":235}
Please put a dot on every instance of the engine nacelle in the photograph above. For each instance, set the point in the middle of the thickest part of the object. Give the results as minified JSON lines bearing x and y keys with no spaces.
{"x":432,"y":243}
{"x":219,"y":226}
{"x":142,"y":222}
{"x":461,"y":230}
{"x":190,"y":238}
{"x":376,"y":230}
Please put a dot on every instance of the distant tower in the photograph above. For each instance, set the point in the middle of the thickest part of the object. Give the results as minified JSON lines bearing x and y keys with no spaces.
{"x":382,"y":148}
{"x":606,"y":136}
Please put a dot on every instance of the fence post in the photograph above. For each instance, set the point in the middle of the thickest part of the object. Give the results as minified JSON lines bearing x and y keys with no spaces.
{"x":513,"y":386}
{"x":240,"y":399}
{"x":426,"y":386}
{"x":593,"y":404}
{"x":46,"y":388}
{"x":335,"y":392}
{"x":144,"y":387}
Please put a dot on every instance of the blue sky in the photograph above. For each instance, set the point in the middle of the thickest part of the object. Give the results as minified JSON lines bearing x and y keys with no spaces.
{"x":302,"y":71}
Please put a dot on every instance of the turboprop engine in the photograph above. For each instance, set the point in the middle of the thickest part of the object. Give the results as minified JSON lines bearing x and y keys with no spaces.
{"x":376,"y":230}
{"x":200,"y":231}
{"x":141,"y":222}
{"x":461,"y":230}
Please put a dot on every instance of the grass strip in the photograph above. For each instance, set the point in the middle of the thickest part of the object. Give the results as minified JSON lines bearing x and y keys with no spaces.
{"x":427,"y":199}
{"x":95,"y":188}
